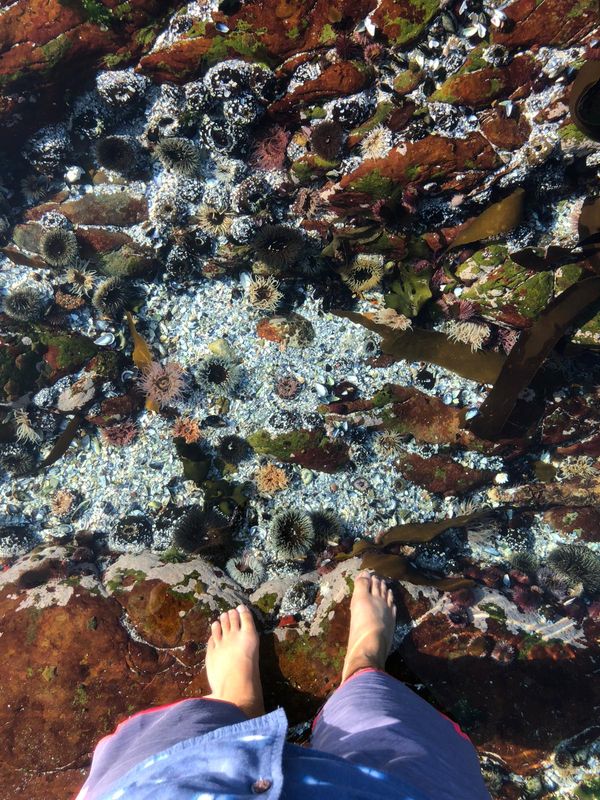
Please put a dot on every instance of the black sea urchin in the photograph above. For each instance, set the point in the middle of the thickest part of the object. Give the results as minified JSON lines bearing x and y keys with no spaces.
{"x":204,"y":533}
{"x":233,"y":449}
{"x":26,"y":303}
{"x":133,"y":530}
{"x":576,"y":563}
{"x":278,"y":246}
{"x":58,"y":246}
{"x":116,"y":153}
{"x":326,"y":526}
{"x":326,"y":139}
{"x":16,"y":459}
{"x":112,"y":297}
{"x":218,"y":375}
{"x":291,"y":534}
{"x":178,"y":155}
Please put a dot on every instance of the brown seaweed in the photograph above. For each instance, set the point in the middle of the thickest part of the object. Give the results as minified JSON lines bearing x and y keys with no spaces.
{"x":584,"y":100}
{"x":530,"y":352}
{"x":589,"y":229}
{"x":141,"y":355}
{"x":62,"y":443}
{"x":420,"y":344}
{"x":499,"y":218}
{"x":426,"y":531}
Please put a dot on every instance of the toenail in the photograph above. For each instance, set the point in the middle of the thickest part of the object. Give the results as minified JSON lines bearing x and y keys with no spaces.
{"x":240,"y":608}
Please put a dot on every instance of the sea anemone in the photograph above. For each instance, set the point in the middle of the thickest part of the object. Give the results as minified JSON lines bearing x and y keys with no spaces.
{"x":133,"y":529}
{"x":508,"y":337}
{"x":76,"y":396}
{"x":58,"y":246}
{"x":178,"y":155}
{"x":388,"y":443}
{"x":218,"y":375}
{"x":377,"y":143}
{"x":112,"y":297}
{"x":163,"y":383}
{"x":187,"y":429}
{"x":62,"y":503}
{"x":115,"y":153}
{"x":205,"y":533}
{"x":308,"y":203}
{"x":270,"y":479}
{"x":287,"y":387}
{"x":16,"y":459}
{"x":269,"y":151}
{"x":26,"y":303}
{"x":326,"y":527}
{"x":326,"y":139}
{"x":503,"y":652}
{"x":168,"y":208}
{"x":80,"y":278}
{"x":291,"y":534}
{"x":24,"y":429}
{"x":251,"y":195}
{"x":120,"y":435}
{"x":475,"y":334}
{"x":35,"y":187}
{"x":278,"y":246}
{"x":263,"y":292}
{"x":391,"y":318}
{"x":246,"y":570}
{"x":576,"y":563}
{"x":364,"y":273}
{"x":233,"y":449}
{"x":213,"y":220}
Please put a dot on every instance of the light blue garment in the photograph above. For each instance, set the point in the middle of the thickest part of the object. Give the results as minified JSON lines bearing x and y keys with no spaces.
{"x":249,"y":759}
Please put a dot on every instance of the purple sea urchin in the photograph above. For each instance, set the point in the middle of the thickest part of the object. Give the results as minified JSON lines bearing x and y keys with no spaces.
{"x":326,"y":139}
{"x":163,"y":383}
{"x":246,"y":570}
{"x":26,"y":303}
{"x":115,"y":153}
{"x":263,"y":293}
{"x":178,"y":155}
{"x":576,"y":563}
{"x":291,"y":534}
{"x":58,"y":246}
{"x":112,"y":297}
{"x":218,"y":375}
{"x":278,"y":247}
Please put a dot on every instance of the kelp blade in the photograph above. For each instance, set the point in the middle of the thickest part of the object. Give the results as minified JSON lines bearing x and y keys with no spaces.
{"x":498,"y":218}
{"x":426,"y":531}
{"x":62,"y":443}
{"x":141,"y":355}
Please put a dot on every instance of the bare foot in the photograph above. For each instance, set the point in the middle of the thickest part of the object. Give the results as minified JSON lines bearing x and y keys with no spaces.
{"x":372,"y":624}
{"x":232,"y":661}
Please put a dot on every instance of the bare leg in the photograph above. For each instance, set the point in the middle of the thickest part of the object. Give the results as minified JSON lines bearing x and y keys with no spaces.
{"x":372,"y":623}
{"x":232,"y":662}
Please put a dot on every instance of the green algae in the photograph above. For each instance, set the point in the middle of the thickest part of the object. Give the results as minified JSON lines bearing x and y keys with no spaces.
{"x":56,"y":49}
{"x":407,"y":30}
{"x":409,"y":292}
{"x":374,"y":184}
{"x":382,"y":112}
{"x":494,"y":611}
{"x":71,"y":350}
{"x":512,"y":284}
{"x":266,"y":603}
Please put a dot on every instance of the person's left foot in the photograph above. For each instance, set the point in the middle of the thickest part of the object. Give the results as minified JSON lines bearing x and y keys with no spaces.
{"x":232,"y":661}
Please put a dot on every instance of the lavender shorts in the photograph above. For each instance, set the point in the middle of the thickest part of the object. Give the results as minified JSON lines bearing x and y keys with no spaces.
{"x":371,"y":720}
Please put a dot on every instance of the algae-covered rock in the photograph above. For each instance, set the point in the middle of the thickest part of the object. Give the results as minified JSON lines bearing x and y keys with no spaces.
{"x":479,"y":87}
{"x":128,"y":262}
{"x":309,"y":448}
{"x":292,"y":330}
{"x":441,"y":474}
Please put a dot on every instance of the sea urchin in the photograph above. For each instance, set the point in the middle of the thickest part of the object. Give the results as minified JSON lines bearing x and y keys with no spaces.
{"x":278,"y":246}
{"x":112,"y":297}
{"x":58,"y":246}
{"x":218,"y":375}
{"x":576,"y":563}
{"x":26,"y":303}
{"x":178,"y":154}
{"x":291,"y":534}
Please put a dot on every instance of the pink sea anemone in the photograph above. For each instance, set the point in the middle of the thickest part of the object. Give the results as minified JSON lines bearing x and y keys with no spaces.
{"x":270,"y":149}
{"x":121,"y":434}
{"x":163,"y":383}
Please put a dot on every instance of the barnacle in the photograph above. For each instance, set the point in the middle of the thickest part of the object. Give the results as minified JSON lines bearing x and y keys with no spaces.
{"x":364,"y":273}
{"x":163,"y":383}
{"x":178,"y":154}
{"x":576,"y":563}
{"x":213,"y":220}
{"x":58,"y":246}
{"x":80,"y":278}
{"x":263,"y":292}
{"x":475,"y":334}
{"x":246,"y":570}
{"x":68,"y":301}
{"x":112,"y":297}
{"x":115,"y":153}
{"x":168,"y":208}
{"x":278,"y":246}
{"x":26,"y":302}
{"x":326,"y":139}
{"x":270,"y":479}
{"x":233,"y":449}
{"x":218,"y":375}
{"x":291,"y":534}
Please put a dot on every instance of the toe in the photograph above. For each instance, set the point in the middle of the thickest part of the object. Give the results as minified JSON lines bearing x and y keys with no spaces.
{"x":383,"y":589}
{"x":375,"y":586}
{"x":234,"y":620}
{"x":225,"y":622}
{"x":362,"y":583}
{"x":390,"y":598}
{"x":246,"y":618}
{"x":217,"y":631}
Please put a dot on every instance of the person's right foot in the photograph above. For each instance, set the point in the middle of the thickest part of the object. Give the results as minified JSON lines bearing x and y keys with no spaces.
{"x":372,"y":624}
